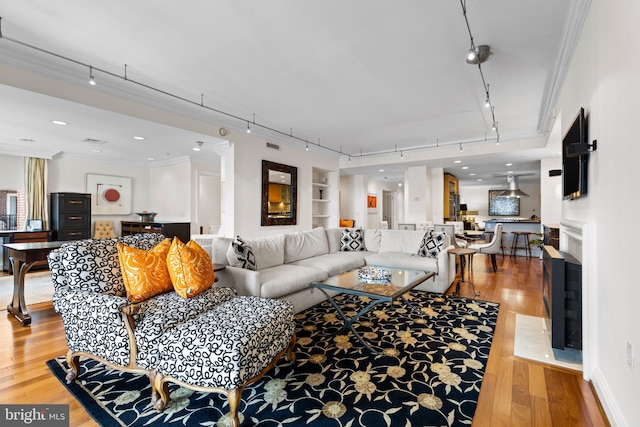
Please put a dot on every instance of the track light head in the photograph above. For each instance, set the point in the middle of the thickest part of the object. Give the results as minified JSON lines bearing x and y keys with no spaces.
{"x":248,"y":127}
{"x":479,"y":54}
{"x":92,"y":81}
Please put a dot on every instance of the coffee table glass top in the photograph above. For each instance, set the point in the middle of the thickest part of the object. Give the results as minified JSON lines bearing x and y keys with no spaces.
{"x":401,"y":282}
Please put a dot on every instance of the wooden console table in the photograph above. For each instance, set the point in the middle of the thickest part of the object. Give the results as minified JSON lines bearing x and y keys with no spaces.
{"x":182,"y":230}
{"x":22,"y":257}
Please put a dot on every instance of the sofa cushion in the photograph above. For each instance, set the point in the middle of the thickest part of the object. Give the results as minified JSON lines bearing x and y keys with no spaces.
{"x":352,"y":240}
{"x":268,"y":251}
{"x":145,"y":273}
{"x":240,"y":254}
{"x":190,"y":268}
{"x":432,"y":243}
{"x":305,"y":244}
{"x":336,"y":263}
{"x":402,"y":261}
{"x":219,"y":247}
{"x":372,"y":238}
{"x":285,"y":279}
{"x":333,"y":238}
{"x":406,"y":241}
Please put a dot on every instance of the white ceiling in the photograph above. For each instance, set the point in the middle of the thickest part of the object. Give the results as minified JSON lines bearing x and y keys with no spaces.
{"x":360,"y":77}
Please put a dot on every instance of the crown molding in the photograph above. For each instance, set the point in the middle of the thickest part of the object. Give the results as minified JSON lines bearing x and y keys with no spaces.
{"x":578,"y":10}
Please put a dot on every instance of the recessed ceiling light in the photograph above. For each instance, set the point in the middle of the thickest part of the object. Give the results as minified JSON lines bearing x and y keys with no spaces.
{"x":196,"y":148}
{"x":457,"y":161}
{"x":150,"y":158}
{"x":97,"y":151}
{"x":508,"y":164}
{"x":380,"y":170}
{"x":509,"y":171}
{"x":479,"y":179}
{"x":59,"y":122}
{"x":472,"y":174}
{"x":139,"y":138}
{"x":465,"y":167}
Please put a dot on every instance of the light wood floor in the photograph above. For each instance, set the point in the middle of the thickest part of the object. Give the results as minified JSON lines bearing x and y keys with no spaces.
{"x":515,"y":391}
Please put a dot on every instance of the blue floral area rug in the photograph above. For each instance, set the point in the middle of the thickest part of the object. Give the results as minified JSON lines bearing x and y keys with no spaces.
{"x":428,"y":372}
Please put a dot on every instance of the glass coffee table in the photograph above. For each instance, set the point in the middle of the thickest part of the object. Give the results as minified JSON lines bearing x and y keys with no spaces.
{"x":379,"y":291}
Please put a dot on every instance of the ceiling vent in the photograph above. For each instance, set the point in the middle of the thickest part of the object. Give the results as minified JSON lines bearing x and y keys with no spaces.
{"x":94,"y":141}
{"x":273,"y":146}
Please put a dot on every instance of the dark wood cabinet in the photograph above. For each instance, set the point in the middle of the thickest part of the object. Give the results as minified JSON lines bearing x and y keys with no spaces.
{"x":552,"y":235}
{"x":182,"y":230}
{"x":71,"y":216}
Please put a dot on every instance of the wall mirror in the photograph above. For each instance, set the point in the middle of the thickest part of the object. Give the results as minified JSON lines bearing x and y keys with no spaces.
{"x":279,"y":193}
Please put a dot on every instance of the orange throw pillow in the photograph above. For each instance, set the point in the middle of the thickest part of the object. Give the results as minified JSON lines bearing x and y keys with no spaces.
{"x":190,"y":268}
{"x":145,"y":273}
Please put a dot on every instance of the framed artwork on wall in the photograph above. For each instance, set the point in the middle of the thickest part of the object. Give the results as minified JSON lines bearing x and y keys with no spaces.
{"x":110,"y":195}
{"x":503,"y":206}
{"x":372,"y":203}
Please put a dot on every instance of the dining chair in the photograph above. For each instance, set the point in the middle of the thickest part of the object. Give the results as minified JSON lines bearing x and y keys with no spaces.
{"x":491,"y":248}
{"x":103,"y":229}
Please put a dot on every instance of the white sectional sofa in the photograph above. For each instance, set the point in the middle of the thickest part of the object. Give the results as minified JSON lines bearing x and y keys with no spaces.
{"x":286,"y":264}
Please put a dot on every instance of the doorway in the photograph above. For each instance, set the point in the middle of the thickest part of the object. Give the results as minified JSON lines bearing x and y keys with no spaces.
{"x":208,"y":203}
{"x":388,"y":207}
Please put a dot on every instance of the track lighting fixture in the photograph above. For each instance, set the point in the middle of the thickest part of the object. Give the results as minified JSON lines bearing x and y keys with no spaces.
{"x":248,"y":127}
{"x":92,"y":81}
{"x":476,"y":56}
{"x":307,"y":147}
{"x":401,"y":154}
{"x":461,"y":147}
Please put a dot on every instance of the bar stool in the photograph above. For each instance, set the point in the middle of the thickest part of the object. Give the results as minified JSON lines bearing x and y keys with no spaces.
{"x":514,"y":245}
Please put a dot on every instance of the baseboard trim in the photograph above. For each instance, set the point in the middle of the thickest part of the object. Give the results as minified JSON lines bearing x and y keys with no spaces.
{"x":611,"y":408}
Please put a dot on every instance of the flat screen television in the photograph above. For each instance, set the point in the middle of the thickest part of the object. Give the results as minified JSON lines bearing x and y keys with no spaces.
{"x":575,"y":158}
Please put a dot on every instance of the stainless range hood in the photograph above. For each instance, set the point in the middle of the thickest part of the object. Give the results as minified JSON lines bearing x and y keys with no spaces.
{"x":513,"y":188}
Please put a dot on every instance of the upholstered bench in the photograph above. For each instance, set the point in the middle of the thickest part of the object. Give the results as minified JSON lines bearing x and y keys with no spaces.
{"x":224,"y":349}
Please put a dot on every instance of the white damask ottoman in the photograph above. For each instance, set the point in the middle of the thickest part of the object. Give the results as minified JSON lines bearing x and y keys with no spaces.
{"x":224,"y":349}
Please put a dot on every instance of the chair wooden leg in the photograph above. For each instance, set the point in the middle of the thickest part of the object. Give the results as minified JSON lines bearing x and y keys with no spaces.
{"x":73,"y":360}
{"x":234,"y":397}
{"x":493,"y":262}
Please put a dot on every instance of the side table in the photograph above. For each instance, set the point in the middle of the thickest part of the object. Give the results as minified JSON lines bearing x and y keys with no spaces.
{"x":462,"y":253}
{"x":218,"y":267}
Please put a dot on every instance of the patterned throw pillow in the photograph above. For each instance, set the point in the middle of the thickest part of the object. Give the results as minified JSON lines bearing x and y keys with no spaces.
{"x":352,"y":240}
{"x":190,"y":268}
{"x":145,"y":273}
{"x":432,"y":244}
{"x":244,"y":254}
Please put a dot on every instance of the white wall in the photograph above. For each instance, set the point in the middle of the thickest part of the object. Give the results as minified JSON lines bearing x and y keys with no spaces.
{"x":242,"y":178}
{"x":68,"y":174}
{"x":12,"y":176}
{"x":416,"y":190}
{"x":603,"y":78}
{"x":170,"y":190}
{"x":206,"y":202}
{"x":551,"y":192}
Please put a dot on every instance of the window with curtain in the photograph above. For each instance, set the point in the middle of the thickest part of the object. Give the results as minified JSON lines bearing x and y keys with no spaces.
{"x":35,"y":179}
